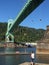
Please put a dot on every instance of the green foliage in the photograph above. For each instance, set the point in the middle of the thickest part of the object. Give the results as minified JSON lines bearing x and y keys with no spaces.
{"x":3,"y":28}
{"x":22,"y":34}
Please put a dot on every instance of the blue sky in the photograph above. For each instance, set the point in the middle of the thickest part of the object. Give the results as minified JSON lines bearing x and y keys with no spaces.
{"x":39,"y":18}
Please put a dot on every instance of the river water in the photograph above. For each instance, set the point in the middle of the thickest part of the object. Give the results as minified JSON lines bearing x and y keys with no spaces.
{"x":16,"y":59}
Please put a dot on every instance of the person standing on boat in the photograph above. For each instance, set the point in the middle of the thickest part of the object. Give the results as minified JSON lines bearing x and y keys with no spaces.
{"x":32,"y":58}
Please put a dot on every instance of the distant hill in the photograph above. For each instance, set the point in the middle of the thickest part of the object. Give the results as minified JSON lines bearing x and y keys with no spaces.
{"x":22,"y":34}
{"x":3,"y":27}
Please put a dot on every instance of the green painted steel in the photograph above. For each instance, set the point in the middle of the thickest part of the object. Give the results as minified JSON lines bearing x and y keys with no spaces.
{"x":9,"y":36}
{"x":27,"y":9}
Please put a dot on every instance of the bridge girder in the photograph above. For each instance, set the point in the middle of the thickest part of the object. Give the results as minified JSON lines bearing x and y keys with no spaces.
{"x":30,"y":6}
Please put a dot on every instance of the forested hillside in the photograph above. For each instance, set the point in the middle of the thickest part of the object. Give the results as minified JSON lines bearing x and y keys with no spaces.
{"x":22,"y":34}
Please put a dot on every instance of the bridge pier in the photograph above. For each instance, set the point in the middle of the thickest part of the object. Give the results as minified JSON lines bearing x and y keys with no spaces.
{"x":9,"y":36}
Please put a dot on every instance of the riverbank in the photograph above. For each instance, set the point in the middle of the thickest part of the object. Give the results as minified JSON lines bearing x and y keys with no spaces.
{"x":23,"y":53}
{"x":28,"y":63}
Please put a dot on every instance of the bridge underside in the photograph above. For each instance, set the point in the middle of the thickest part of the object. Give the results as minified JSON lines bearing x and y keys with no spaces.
{"x":28,"y":8}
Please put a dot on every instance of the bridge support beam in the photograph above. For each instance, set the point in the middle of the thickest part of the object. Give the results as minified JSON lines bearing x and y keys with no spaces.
{"x":30,"y":6}
{"x":9,"y":36}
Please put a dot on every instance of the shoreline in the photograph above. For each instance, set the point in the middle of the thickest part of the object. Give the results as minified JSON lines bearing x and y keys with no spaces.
{"x":23,"y":53}
{"x":29,"y":63}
